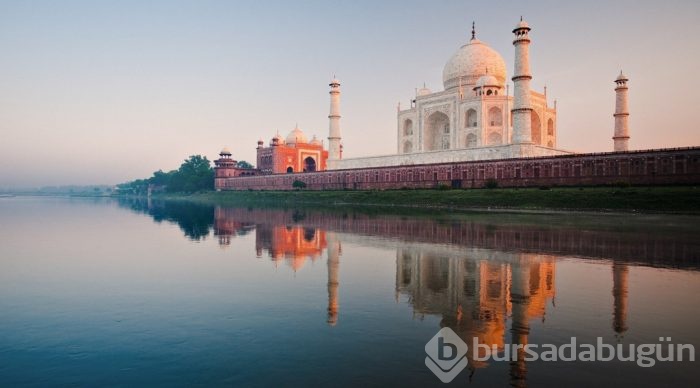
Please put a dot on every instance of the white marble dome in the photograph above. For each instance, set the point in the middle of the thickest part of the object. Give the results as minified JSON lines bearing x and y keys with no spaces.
{"x":487,"y":80}
{"x":470,"y":63}
{"x":297,"y":136}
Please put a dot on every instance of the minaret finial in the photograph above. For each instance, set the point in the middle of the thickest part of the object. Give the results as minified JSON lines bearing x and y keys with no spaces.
{"x":473,"y":31}
{"x":521,"y":18}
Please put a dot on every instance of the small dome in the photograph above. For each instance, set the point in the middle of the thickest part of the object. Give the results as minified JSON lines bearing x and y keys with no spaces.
{"x":315,"y":141}
{"x":521,"y":25}
{"x":225,"y":151}
{"x":335,"y":81}
{"x":423,"y":91}
{"x":621,"y":77}
{"x":296,"y":137}
{"x":486,"y":81}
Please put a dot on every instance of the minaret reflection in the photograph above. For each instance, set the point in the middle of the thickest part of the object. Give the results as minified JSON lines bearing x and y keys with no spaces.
{"x":620,"y":274}
{"x":475,"y":294}
{"x":334,"y":251}
{"x":293,"y":244}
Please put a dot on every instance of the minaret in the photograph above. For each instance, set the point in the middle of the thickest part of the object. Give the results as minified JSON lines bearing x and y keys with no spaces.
{"x":622,"y":132}
{"x":522,"y":110}
{"x":334,"y":122}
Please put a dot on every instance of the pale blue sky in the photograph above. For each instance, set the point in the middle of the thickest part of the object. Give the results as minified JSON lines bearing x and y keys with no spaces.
{"x":108,"y":91}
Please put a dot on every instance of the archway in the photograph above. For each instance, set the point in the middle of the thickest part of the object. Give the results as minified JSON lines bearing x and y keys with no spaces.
{"x":309,"y":164}
{"x":471,"y":140}
{"x":408,"y":127}
{"x":407,"y":147}
{"x":550,"y":127}
{"x":536,"y":126}
{"x":495,"y":117}
{"x":290,"y":170}
{"x":471,"y":118}
{"x":437,"y":134}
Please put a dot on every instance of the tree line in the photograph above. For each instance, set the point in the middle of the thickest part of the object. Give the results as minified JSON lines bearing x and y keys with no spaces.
{"x":195,"y":174}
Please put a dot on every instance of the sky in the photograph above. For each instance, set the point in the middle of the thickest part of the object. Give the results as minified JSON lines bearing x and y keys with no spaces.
{"x":102,"y":92}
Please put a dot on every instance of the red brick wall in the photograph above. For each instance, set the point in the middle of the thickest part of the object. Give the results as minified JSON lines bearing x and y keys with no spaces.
{"x":649,"y":167}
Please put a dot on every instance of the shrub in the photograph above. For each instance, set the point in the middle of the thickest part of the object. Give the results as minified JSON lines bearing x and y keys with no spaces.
{"x":298,"y":184}
{"x":491,"y":183}
{"x":622,"y":184}
{"x":443,"y":187}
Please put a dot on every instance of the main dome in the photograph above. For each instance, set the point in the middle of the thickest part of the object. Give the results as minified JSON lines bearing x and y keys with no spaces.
{"x":471,"y":62}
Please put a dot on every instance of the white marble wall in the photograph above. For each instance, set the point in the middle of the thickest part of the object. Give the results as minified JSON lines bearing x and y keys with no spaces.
{"x":458,"y":155}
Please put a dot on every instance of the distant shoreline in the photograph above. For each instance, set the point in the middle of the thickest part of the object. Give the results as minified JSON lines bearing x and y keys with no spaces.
{"x":658,"y":199}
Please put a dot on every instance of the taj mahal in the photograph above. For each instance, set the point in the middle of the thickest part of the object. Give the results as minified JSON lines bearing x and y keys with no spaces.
{"x":474,"y":130}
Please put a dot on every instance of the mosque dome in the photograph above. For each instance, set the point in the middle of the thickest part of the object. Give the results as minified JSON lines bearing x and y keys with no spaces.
{"x":470,"y":62}
{"x":296,"y":136}
{"x":315,"y":141}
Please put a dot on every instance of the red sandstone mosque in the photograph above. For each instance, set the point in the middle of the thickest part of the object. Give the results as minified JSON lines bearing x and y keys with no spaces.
{"x":471,"y":132}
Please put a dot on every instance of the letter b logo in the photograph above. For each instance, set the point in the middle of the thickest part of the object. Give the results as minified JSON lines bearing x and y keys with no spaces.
{"x":446,"y":355}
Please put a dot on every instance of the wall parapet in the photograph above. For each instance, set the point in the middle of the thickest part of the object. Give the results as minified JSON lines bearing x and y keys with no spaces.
{"x":641,"y":167}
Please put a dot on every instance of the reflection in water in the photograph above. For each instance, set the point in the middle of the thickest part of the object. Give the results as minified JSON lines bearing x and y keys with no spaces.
{"x":195,"y":220}
{"x":476,"y":293}
{"x":620,"y":272}
{"x":485,"y":278}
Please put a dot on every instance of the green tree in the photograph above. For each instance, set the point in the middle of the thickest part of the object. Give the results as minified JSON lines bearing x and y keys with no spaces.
{"x":161,"y":178}
{"x":244,"y":164}
{"x":193,"y":175}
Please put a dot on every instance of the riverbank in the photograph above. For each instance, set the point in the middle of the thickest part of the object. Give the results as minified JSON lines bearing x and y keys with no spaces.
{"x":675,"y":199}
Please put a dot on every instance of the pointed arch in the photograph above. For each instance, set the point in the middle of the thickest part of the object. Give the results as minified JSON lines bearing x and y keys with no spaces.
{"x":471,"y":140}
{"x":408,"y":127}
{"x":536,"y":127}
{"x":495,"y":117}
{"x":437,"y":132}
{"x":470,"y":118}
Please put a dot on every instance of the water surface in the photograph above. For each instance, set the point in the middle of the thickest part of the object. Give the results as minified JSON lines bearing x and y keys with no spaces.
{"x":106,"y":292}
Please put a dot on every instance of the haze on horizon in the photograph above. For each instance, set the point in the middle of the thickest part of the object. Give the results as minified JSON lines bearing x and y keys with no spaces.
{"x":105,"y":92}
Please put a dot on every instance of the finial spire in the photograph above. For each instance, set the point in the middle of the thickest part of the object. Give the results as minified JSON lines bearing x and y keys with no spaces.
{"x":473,"y":30}
{"x":521,"y":18}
